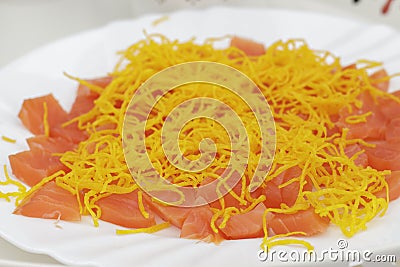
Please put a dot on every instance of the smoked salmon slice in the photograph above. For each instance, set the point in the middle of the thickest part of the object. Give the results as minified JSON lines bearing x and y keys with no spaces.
{"x":229,"y":199}
{"x":361,"y":160}
{"x":85,"y":97}
{"x":246,"y":225}
{"x":197,"y":225}
{"x":32,"y":113}
{"x":50,"y":144}
{"x":392,"y":133}
{"x":275,"y":196}
{"x":123,"y":210}
{"x":306,"y":221}
{"x":389,"y":107}
{"x":33,"y":165}
{"x":384,"y":156}
{"x":393,"y":181}
{"x":172,"y":214}
{"x":50,"y":202}
{"x":250,"y":47}
{"x":378,"y":80}
{"x":375,"y":125}
{"x":70,"y":132}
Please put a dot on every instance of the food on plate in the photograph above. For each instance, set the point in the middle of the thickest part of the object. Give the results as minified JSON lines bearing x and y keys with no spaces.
{"x":336,"y":159}
{"x":50,"y":202}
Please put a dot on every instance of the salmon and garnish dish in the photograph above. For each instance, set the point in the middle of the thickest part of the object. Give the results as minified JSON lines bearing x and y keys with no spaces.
{"x":336,"y":160}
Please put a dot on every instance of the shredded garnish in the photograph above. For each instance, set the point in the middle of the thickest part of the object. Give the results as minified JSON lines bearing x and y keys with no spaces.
{"x":45,"y":120}
{"x":8,"y":139}
{"x":25,"y":194}
{"x":141,"y":206}
{"x":159,"y":20}
{"x":57,"y":221}
{"x":19,"y":194}
{"x":358,"y":118}
{"x":148,"y":230}
{"x":281,"y":239}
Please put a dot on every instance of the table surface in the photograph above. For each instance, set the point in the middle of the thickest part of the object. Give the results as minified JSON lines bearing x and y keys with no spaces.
{"x":24,"y":26}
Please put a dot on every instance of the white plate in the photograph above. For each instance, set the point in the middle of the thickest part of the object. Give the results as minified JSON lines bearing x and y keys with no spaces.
{"x":92,"y":54}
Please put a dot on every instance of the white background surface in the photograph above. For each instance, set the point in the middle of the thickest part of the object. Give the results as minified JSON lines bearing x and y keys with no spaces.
{"x":27,"y":24}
